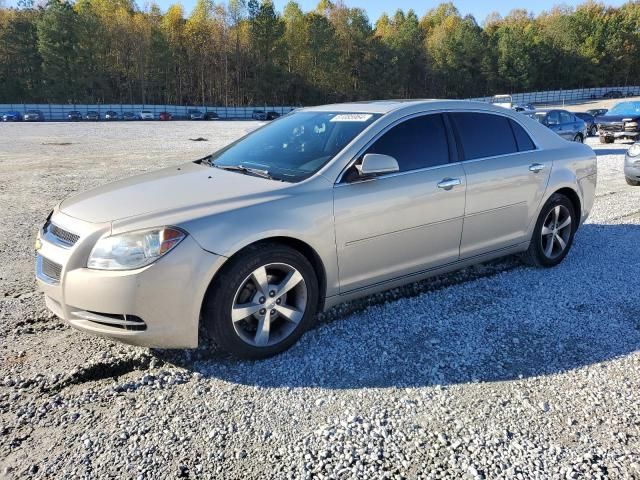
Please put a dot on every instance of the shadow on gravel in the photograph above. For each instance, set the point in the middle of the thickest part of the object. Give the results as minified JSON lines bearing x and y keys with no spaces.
{"x":610,"y":151}
{"x":501,"y":321}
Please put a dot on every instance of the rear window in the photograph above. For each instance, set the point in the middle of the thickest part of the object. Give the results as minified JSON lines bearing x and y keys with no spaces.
{"x":484,"y":134}
{"x":523,"y":139}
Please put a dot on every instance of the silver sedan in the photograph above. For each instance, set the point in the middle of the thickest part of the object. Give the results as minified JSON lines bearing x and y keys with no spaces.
{"x":323,"y":205}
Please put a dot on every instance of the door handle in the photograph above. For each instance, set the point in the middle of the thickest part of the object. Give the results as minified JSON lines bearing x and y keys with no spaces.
{"x":449,"y":183}
{"x":536,"y":167}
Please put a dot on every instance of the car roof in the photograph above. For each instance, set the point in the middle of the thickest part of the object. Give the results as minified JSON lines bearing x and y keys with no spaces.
{"x":387,"y":106}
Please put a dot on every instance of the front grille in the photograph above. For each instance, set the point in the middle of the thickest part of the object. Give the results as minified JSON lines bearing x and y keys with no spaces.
{"x":114,"y":320}
{"x":62,"y":235}
{"x":611,"y":127}
{"x":51,"y":269}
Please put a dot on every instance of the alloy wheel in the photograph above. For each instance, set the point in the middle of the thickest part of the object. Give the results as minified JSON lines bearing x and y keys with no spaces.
{"x":556,"y":231}
{"x":269,"y":304}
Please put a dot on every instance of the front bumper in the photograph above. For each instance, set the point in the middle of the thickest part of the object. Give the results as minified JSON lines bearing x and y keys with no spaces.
{"x":154,"y":306}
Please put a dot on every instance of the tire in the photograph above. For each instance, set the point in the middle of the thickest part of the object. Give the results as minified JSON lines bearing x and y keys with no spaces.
{"x":578,"y":138}
{"x":538,"y":252}
{"x":236,"y":285}
{"x":632,"y":182}
{"x":593,"y":131}
{"x":604,"y":139}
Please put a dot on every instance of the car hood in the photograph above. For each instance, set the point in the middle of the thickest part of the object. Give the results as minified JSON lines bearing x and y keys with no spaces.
{"x":617,"y":118}
{"x":171,"y":190}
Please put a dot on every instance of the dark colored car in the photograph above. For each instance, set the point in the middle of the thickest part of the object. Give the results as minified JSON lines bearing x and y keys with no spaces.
{"x":12,"y":117}
{"x":74,"y":116}
{"x":590,"y":120}
{"x":620,"y":122}
{"x":597,"y":112}
{"x":613,"y":94}
{"x":92,"y":116}
{"x":272,"y":115}
{"x":33,"y":116}
{"x":165,"y":116}
{"x":211,"y":116}
{"x":259,"y":115}
{"x":632,"y":165}
{"x":129,"y":116}
{"x":111,"y":115}
{"x":195,"y":115}
{"x":524,"y":107}
{"x":564,"y":123}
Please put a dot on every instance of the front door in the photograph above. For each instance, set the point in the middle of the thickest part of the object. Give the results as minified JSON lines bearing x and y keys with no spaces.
{"x":405,"y":222}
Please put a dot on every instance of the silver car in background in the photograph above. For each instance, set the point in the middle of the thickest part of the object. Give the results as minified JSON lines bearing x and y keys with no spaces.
{"x":632,"y":165}
{"x":321,"y":206}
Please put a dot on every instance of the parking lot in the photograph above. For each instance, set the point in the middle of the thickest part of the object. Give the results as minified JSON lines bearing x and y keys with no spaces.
{"x":498,"y":371}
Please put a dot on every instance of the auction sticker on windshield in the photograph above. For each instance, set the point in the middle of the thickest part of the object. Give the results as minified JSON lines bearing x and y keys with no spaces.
{"x":351,"y":117}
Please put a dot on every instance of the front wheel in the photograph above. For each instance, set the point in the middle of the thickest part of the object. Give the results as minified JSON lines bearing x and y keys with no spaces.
{"x":604,"y":139}
{"x":632,"y":182}
{"x":262,"y":301}
{"x":553,"y":234}
{"x":593,"y":131}
{"x":578,"y":138}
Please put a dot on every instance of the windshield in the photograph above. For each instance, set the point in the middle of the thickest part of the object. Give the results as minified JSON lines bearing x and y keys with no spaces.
{"x":625,"y":108}
{"x":295,"y":146}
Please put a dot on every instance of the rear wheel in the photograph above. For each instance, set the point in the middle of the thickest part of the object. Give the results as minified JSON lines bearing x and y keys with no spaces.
{"x":262,"y":302}
{"x":553,"y":234}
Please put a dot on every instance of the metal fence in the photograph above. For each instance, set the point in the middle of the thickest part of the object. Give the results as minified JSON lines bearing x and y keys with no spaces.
{"x":59,"y":111}
{"x":555,"y":97}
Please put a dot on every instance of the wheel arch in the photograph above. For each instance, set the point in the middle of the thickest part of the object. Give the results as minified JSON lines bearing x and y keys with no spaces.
{"x":573,"y":197}
{"x":296,"y":244}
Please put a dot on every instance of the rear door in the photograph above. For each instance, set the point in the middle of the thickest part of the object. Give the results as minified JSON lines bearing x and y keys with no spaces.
{"x":506,"y":180}
{"x":405,"y":222}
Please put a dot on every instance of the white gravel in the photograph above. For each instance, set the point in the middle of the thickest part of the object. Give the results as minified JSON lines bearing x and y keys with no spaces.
{"x":499,"y":371}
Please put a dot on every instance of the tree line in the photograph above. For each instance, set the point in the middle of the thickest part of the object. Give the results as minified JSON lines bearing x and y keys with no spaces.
{"x":245,"y":52}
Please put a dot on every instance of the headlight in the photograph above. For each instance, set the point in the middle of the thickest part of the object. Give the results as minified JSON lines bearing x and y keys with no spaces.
{"x":631,"y":125}
{"x":634,"y":150}
{"x":132,"y":250}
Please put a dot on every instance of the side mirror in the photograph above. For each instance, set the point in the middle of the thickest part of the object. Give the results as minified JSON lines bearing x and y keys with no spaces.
{"x":377,"y":164}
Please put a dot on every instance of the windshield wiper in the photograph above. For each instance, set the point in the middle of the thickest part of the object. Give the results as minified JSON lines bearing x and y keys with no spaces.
{"x":246,"y":170}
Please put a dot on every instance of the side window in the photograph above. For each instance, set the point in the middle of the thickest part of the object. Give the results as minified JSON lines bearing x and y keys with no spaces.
{"x":484,"y":134}
{"x":416,"y":143}
{"x":566,"y":117}
{"x":553,"y":118}
{"x":523,"y":139}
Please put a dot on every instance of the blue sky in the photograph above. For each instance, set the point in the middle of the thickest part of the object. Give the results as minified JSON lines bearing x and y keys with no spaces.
{"x":374,"y":8}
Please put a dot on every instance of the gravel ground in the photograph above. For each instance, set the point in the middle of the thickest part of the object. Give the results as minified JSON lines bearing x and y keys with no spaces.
{"x":498,"y":371}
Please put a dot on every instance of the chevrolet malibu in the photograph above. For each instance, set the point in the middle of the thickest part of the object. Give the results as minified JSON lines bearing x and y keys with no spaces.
{"x":323,"y":205}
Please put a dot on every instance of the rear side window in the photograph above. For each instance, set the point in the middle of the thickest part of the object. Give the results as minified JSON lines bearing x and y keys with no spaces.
{"x":523,"y":139}
{"x":416,"y":143}
{"x":484,"y":134}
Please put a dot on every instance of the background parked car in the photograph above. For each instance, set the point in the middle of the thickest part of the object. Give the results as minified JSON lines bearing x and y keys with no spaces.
{"x":211,"y":116}
{"x":590,"y":120}
{"x":632,"y":165}
{"x":613,"y":94}
{"x":195,"y":114}
{"x":33,"y":116}
{"x":524,"y":107}
{"x":620,"y":122}
{"x":111,"y":115}
{"x":74,"y":116}
{"x":12,"y":117}
{"x":129,"y":116}
{"x":596,"y":112}
{"x":146,"y":115}
{"x":564,"y":123}
{"x":92,"y":116}
{"x":259,"y":115}
{"x":272,"y":115}
{"x":165,"y":116}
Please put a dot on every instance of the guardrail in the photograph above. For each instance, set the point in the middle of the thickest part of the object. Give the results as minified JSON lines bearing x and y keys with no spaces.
{"x":59,"y":111}
{"x":551,"y":97}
